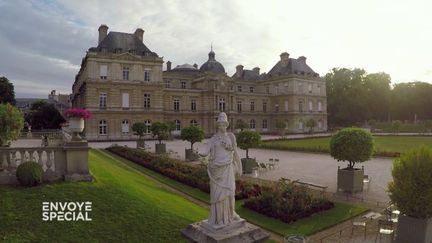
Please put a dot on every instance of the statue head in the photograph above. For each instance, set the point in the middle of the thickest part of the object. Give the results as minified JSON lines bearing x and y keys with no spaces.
{"x":222,"y":122}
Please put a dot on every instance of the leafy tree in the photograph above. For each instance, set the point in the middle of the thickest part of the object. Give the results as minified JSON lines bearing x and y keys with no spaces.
{"x":248,"y":139}
{"x":38,"y":104}
{"x":242,"y":125}
{"x":160,"y":130}
{"x":11,"y":124}
{"x":7,"y":93}
{"x":411,"y":188}
{"x":280,"y":126}
{"x":372,"y":123}
{"x":352,"y":145}
{"x":140,"y":128}
{"x":44,"y":116}
{"x":311,"y":123}
{"x":192,"y":134}
{"x":396,"y":126}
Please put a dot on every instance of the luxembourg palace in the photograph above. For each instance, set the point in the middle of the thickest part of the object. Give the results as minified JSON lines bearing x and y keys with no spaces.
{"x":121,"y":81}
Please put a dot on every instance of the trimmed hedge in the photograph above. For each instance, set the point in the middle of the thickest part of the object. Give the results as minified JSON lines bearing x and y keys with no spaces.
{"x":29,"y":174}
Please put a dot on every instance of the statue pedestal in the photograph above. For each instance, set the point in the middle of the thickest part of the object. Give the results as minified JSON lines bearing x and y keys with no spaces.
{"x":237,"y":231}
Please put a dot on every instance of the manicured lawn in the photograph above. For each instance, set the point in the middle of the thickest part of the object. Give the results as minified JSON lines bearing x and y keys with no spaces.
{"x":127,"y":207}
{"x":383,"y":144}
{"x":321,"y":221}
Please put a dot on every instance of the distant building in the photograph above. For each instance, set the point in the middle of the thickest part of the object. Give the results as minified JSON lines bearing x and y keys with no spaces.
{"x":24,"y":104}
{"x":121,"y":82}
{"x":60,"y":101}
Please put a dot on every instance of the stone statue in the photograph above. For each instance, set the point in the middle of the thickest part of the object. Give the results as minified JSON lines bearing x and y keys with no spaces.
{"x":224,"y":163}
{"x":223,"y":223}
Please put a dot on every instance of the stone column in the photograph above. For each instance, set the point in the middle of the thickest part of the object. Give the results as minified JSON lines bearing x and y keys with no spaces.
{"x":77,"y":168}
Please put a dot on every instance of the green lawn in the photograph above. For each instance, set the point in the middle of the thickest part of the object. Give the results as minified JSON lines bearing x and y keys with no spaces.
{"x":308,"y":226}
{"x":383,"y":144}
{"x":126,"y":207}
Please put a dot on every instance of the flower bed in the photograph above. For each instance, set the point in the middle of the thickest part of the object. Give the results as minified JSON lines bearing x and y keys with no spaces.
{"x":287,"y":202}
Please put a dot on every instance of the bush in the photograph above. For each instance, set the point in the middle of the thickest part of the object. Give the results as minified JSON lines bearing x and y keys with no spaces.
{"x":411,"y":188}
{"x":11,"y":123}
{"x":29,"y":174}
{"x":352,"y":145}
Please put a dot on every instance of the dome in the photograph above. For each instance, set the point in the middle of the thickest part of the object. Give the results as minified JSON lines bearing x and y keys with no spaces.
{"x":212,"y":65}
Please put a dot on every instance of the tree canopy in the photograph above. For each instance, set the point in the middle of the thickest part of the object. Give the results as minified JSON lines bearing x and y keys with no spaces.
{"x":160,"y":130}
{"x":7,"y":93}
{"x":192,"y":134}
{"x":247,"y":139}
{"x":11,"y":124}
{"x":44,"y":116}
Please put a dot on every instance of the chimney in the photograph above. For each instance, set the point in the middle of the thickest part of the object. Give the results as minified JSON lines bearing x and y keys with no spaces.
{"x":256,"y":70}
{"x":139,"y":33}
{"x":169,"y":66}
{"x":195,"y":66}
{"x":302,"y":59}
{"x":239,"y":71}
{"x":284,"y":59}
{"x":103,"y":32}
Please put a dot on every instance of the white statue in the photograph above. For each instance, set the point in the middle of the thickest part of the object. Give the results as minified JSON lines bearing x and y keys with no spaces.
{"x":224,"y":163}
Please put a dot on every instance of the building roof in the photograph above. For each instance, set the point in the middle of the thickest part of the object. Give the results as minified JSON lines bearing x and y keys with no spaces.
{"x":212,"y":65}
{"x":249,"y":75}
{"x":295,"y":66}
{"x":118,"y":42}
{"x":185,"y":67}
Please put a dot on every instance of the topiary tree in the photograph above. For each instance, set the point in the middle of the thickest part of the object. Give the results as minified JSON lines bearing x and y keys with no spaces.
{"x":242,"y":125}
{"x":311,"y":123}
{"x":29,"y":173}
{"x":280,"y":126}
{"x":171,"y":126}
{"x":140,"y":129}
{"x":248,"y":139}
{"x":160,"y":130}
{"x":192,"y":134}
{"x":411,"y":188}
{"x":11,"y":124}
{"x":351,"y":144}
{"x":396,"y":126}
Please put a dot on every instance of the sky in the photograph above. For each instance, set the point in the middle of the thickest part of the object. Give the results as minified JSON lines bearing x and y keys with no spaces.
{"x":42,"y":42}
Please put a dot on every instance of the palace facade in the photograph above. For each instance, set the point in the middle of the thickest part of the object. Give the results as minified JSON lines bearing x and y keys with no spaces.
{"x":121,"y":81}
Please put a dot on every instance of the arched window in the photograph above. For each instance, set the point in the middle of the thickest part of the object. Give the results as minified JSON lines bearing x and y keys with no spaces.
{"x":177,"y":125}
{"x":193,"y":123}
{"x":148,"y":125}
{"x":264,"y":124}
{"x":252,"y":124}
{"x":125,"y":126}
{"x":102,"y":127}
{"x":300,"y":125}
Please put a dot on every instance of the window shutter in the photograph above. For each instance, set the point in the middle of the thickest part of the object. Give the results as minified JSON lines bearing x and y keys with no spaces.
{"x":103,"y":70}
{"x":125,"y":100}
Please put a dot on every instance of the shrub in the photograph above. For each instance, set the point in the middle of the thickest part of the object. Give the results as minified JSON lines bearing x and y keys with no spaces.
{"x":29,"y":174}
{"x":140,"y":129}
{"x":192,"y":134}
{"x":311,"y":123}
{"x":11,"y":123}
{"x":352,"y":145}
{"x":160,"y":130}
{"x":247,"y":139}
{"x":411,"y":188}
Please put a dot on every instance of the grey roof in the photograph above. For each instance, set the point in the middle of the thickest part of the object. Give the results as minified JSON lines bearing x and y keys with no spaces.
{"x":185,"y":66}
{"x":118,"y":42}
{"x":212,"y":65}
{"x":249,"y":75}
{"x":295,"y":66}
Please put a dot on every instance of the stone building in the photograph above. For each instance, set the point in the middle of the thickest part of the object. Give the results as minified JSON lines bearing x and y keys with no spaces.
{"x":121,"y":81}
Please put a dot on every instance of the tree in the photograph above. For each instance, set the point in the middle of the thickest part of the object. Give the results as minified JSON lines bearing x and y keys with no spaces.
{"x":396,"y":126}
{"x":7,"y":93}
{"x":311,"y":123}
{"x":248,"y":139}
{"x":160,"y":130}
{"x":372,"y":123}
{"x":140,"y":128}
{"x":192,"y":134}
{"x":352,"y":145}
{"x":280,"y":126}
{"x":38,"y":104}
{"x":11,"y":124}
{"x":171,"y":126}
{"x":241,"y":125}
{"x":44,"y":116}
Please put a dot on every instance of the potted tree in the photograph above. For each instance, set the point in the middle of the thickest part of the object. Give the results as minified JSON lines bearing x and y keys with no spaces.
{"x":247,"y":139}
{"x":140,"y":129}
{"x":411,"y":192}
{"x":76,"y":121}
{"x":354,"y":145}
{"x":11,"y":124}
{"x":192,"y":134}
{"x":161,"y":131}
{"x":280,"y":126}
{"x":311,"y":123}
{"x":241,"y":125}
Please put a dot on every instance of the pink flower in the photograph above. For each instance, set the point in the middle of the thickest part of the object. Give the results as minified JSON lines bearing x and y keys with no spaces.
{"x":78,"y":112}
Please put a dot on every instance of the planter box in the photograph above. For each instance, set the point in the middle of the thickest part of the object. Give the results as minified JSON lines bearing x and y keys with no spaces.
{"x":248,"y":164}
{"x":411,"y":229}
{"x":191,"y":155}
{"x":140,"y":143}
{"x":350,"y":180}
{"x":160,"y":148}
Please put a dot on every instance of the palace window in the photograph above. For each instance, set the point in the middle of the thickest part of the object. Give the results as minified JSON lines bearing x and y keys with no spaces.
{"x":300,"y":87}
{"x":319,"y":124}
{"x":102,"y":100}
{"x":251,"y":89}
{"x":252,"y":124}
{"x":267,"y":89}
{"x":310,"y":88}
{"x":300,"y":106}
{"x":103,"y":71}
{"x":310,"y":106}
{"x":167,"y":83}
{"x":193,"y":105}
{"x":239,"y":88}
{"x":102,"y":127}
{"x":146,"y":101}
{"x":177,"y":125}
{"x":264,"y":106}
{"x":125,"y":100}
{"x":125,"y":127}
{"x":147,"y":75}
{"x":264,"y":124}
{"x":286,"y":105}
{"x":193,"y":123}
{"x":300,"y":125}
{"x":221,"y":104}
{"x":319,"y":106}
{"x":276,"y":108}
{"x":147,"y":125}
{"x":176,"y":104}
{"x":239,"y":106}
{"x":252,"y":106}
{"x":125,"y":73}
{"x":183,"y":84}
